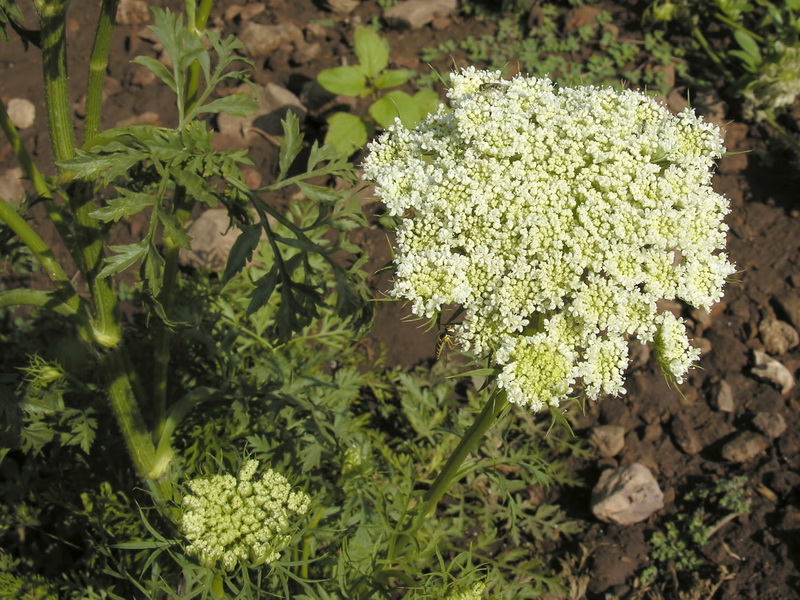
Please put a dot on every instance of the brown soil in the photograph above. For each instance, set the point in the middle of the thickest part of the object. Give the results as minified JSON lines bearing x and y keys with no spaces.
{"x":760,"y":551}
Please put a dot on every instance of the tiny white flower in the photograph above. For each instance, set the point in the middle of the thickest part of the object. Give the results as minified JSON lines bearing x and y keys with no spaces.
{"x":579,"y":208}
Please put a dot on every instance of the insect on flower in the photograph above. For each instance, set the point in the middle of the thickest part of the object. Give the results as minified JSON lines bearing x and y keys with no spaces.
{"x":446,"y":336}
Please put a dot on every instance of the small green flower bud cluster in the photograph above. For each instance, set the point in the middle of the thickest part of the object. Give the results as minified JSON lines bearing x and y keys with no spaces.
{"x":556,"y":218}
{"x":236,"y":519}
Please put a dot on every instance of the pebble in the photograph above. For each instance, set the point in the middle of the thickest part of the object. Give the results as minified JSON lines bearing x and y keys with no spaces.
{"x":744,"y":446}
{"x":274,"y":102}
{"x":340,"y":7}
{"x":626,"y":495}
{"x":723,"y":401}
{"x":22,"y":112}
{"x":773,"y":371}
{"x":11,"y":188}
{"x":790,"y":305}
{"x":132,"y":12}
{"x":212,"y":240}
{"x":607,"y":439}
{"x":263,"y":40}
{"x":777,"y":336}
{"x":685,"y":436}
{"x":414,"y":14}
{"x":772,"y":425}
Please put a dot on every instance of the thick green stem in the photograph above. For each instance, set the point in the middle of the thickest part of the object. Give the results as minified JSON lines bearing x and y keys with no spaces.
{"x":468,"y":444}
{"x":98,"y":62}
{"x":164,"y":333}
{"x":198,"y":26}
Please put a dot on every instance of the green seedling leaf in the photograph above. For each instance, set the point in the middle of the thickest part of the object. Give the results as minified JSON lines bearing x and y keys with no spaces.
{"x":125,"y":256}
{"x":173,"y":230}
{"x":126,"y":205}
{"x":427,"y":102}
{"x":291,"y":144}
{"x":372,"y":51}
{"x":393,"y":78}
{"x":346,"y":133}
{"x":750,"y":47}
{"x":395,"y":104}
{"x":242,"y":251}
{"x":348,"y":81}
{"x":157,"y":69}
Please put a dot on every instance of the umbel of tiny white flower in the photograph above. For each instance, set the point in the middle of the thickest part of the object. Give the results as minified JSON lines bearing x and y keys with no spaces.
{"x":556,"y":218}
{"x":249,"y":519}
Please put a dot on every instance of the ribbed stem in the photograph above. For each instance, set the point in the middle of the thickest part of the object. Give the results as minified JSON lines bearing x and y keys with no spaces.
{"x":98,"y":62}
{"x":468,"y":444}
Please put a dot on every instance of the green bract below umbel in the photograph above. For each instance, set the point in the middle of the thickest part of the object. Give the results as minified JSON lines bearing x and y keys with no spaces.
{"x":555,"y":218}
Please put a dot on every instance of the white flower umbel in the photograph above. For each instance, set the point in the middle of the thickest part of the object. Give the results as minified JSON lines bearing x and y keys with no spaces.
{"x":556,"y":218}
{"x":231,"y":519}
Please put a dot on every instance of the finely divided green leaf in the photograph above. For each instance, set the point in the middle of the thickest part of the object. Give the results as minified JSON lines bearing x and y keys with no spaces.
{"x":127,"y":204}
{"x":242,"y":251}
{"x":195,"y":186}
{"x":291,"y":144}
{"x":319,"y":193}
{"x":125,"y":256}
{"x":372,"y":51}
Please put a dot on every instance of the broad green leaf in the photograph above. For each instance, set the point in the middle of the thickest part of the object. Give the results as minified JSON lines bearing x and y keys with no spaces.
{"x":395,"y":104}
{"x":125,"y":256}
{"x":242,"y":251}
{"x":427,"y":102}
{"x":393,"y":78}
{"x":158,"y":69}
{"x":349,"y":81}
{"x":127,"y":204}
{"x":749,"y":45}
{"x":372,"y":51}
{"x":347,"y":133}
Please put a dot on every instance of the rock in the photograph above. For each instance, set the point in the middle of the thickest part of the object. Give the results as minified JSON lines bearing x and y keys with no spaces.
{"x":581,"y":17}
{"x":414,"y":14}
{"x":146,"y":118}
{"x":723,"y":401}
{"x":212,"y":240}
{"x":11,"y":188}
{"x":21,"y":112}
{"x":608,"y":439}
{"x":703,"y":344}
{"x":143,"y":76}
{"x":790,"y":304}
{"x":778,"y":336}
{"x":626,"y":495}
{"x":244,"y":13}
{"x":638,"y":355}
{"x":745,"y":446}
{"x":262,"y":40}
{"x":340,"y":7}
{"x":773,"y":371}
{"x":686,"y":437}
{"x":132,"y":12}
{"x":305,"y":53}
{"x":274,"y":102}
{"x":770,"y":424}
{"x":702,"y":320}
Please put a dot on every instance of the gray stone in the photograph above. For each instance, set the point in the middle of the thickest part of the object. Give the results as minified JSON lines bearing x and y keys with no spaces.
{"x":626,"y":495}
{"x":770,"y":424}
{"x":415,"y":14}
{"x":132,"y":12}
{"x":340,"y":7}
{"x":685,"y":436}
{"x":778,"y":336}
{"x":773,"y":371}
{"x":723,"y":401}
{"x":22,"y":112}
{"x":212,"y":240}
{"x":745,"y":446}
{"x":11,"y":188}
{"x":607,"y":439}
{"x":262,"y":40}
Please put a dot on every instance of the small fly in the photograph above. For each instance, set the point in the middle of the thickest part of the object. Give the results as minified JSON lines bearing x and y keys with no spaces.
{"x":446,"y":338}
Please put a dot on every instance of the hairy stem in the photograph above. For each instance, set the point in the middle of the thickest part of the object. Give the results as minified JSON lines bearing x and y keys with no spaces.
{"x":450,"y":472}
{"x":98,"y":62}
